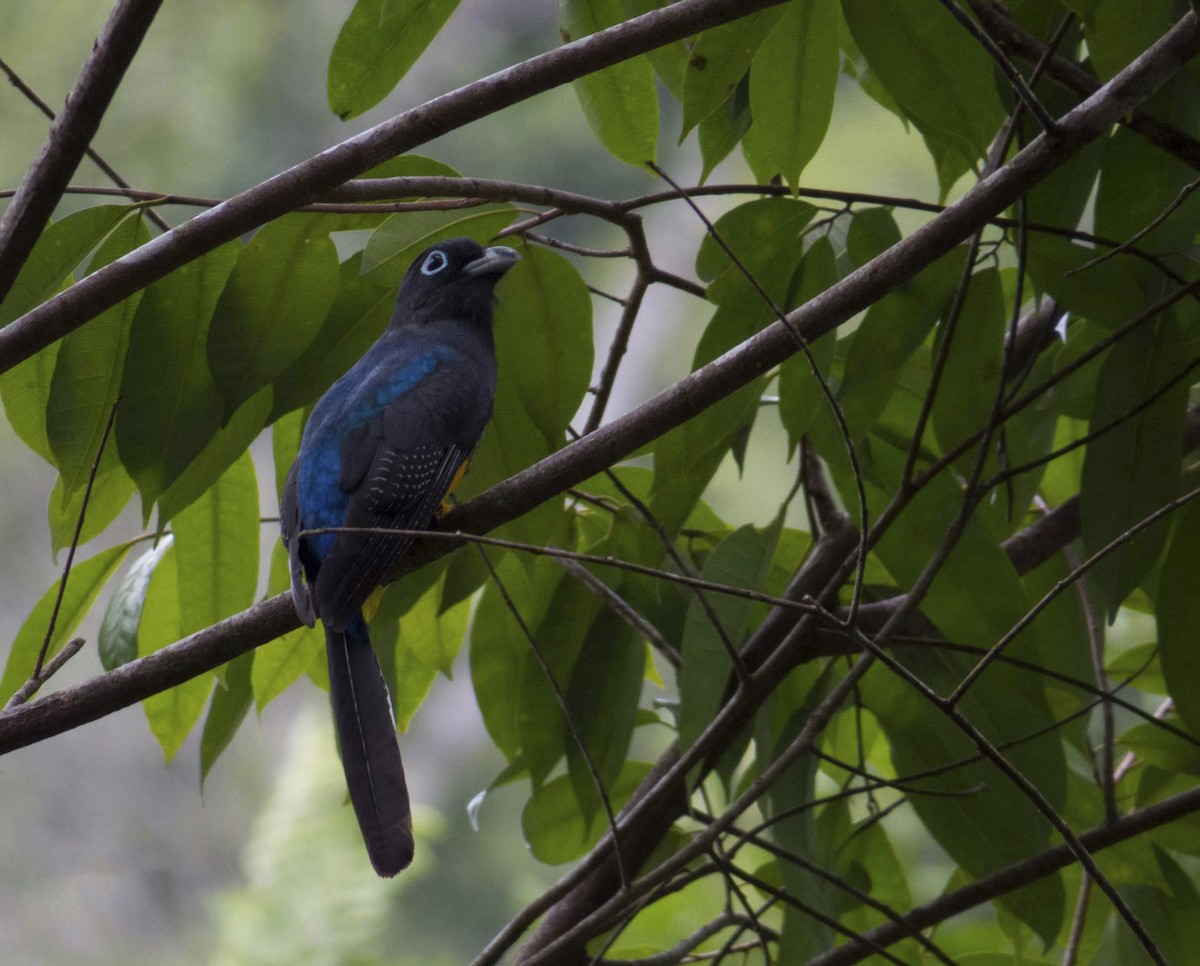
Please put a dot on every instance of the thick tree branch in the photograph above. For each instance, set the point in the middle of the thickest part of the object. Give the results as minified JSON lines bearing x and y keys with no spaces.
{"x":312,"y":179}
{"x":71,"y":134}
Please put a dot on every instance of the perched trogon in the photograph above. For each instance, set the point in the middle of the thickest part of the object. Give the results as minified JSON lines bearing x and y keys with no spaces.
{"x":382,"y":449}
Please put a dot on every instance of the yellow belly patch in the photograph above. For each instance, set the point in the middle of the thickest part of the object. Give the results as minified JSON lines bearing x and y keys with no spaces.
{"x":458,"y":478}
{"x":371,"y":604}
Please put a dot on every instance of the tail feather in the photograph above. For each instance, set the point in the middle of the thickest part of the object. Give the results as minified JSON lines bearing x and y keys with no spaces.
{"x":370,"y":753}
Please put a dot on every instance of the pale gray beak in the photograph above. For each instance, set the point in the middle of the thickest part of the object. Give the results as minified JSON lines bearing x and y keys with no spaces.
{"x":494,"y":261}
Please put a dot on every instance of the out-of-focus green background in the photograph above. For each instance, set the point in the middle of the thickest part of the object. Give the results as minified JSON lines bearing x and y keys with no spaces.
{"x":107,"y":856}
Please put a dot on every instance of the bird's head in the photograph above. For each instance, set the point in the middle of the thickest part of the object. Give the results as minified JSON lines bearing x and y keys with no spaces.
{"x":452,"y":280}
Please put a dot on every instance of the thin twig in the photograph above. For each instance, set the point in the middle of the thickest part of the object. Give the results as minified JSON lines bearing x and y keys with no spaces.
{"x":62,"y":584}
{"x":44,"y":674}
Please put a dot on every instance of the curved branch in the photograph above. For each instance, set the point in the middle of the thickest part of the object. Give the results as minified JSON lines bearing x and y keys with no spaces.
{"x":312,"y":179}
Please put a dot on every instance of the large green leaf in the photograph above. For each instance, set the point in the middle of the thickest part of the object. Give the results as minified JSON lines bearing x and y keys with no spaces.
{"x":231,"y":699}
{"x":740,"y":560}
{"x":25,"y":388}
{"x":276,"y":298}
{"x":109,"y":495}
{"x":934,"y":70}
{"x":1108,"y":294}
{"x":83,"y":584}
{"x":1179,"y":616}
{"x":544,"y":339}
{"x":171,"y":714}
{"x":1134,"y":468}
{"x":226,"y":445}
{"x":606,"y":683}
{"x":1117,"y":32}
{"x":892,"y":330}
{"x":378,"y":43}
{"x":792,"y":83}
{"x":620,"y":102}
{"x":499,"y":649}
{"x":556,"y":827}
{"x":87,"y":376}
{"x":719,"y":59}
{"x":358,"y":316}
{"x":216,"y":548}
{"x":972,"y":375}
{"x":170,"y":406}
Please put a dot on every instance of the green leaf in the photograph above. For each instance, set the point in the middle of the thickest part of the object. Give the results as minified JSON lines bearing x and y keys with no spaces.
{"x":723,"y":129}
{"x":1108,"y":294}
{"x":972,"y":375}
{"x":620,"y":102}
{"x":498,"y":648}
{"x":1133,"y":469}
{"x":719,"y":59}
{"x":800,"y":394}
{"x":559,"y":635}
{"x":216,"y":548}
{"x":109,"y":496}
{"x":554,"y":824}
{"x":117,"y":640}
{"x":765,"y":234}
{"x":670,"y":60}
{"x":25,"y":388}
{"x":227,"y":444}
{"x":276,"y":298}
{"x":1170,"y":911}
{"x":359,"y":314}
{"x":1118,"y":32}
{"x":171,"y":714}
{"x":892,"y":330}
{"x":231,"y":699}
{"x":934,"y":70}
{"x":286,"y":434}
{"x":740,"y":560}
{"x":83,"y":585}
{"x":399,"y":240}
{"x":87,"y":376}
{"x":1179,"y":616}
{"x":1162,"y":748}
{"x":792,"y":83}
{"x":170,"y":406}
{"x":606,"y":683}
{"x":378,"y":43}
{"x":429,"y":642}
{"x":544,"y":339}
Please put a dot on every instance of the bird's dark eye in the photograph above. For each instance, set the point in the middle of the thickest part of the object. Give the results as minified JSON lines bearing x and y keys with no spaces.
{"x":434,"y":262}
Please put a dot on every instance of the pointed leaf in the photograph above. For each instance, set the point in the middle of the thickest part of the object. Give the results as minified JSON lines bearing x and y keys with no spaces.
{"x":620,"y":102}
{"x":378,"y":43}
{"x":231,"y":699}
{"x":276,"y":298}
{"x":1133,"y":469}
{"x":117,"y":641}
{"x":216,"y":548}
{"x":172,"y":713}
{"x":83,"y":585}
{"x":792,"y":82}
{"x":170,"y":406}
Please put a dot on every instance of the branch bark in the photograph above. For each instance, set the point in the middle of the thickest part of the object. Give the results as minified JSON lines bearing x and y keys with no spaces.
{"x":71,"y":134}
{"x":310,"y":180}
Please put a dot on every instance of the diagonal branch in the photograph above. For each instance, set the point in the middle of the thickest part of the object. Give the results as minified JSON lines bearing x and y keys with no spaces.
{"x":312,"y":179}
{"x":71,"y":133}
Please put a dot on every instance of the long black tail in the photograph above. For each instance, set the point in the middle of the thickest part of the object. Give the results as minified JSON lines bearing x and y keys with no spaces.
{"x":370,"y":754}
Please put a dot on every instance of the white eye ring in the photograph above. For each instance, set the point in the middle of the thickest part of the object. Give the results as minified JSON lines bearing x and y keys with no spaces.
{"x":434,"y":262}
